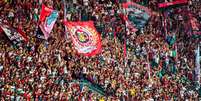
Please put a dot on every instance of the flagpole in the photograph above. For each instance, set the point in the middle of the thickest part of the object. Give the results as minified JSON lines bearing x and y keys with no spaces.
{"x":165,"y":24}
{"x":64,"y":1}
{"x":125,"y":40}
{"x":198,"y":62}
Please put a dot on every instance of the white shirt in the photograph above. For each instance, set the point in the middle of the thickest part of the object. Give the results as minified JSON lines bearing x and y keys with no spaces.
{"x":11,"y":14}
{"x":74,"y":1}
{"x":65,"y":70}
{"x":59,"y":57}
{"x":84,"y":70}
{"x":29,"y":59}
{"x":1,"y":67}
{"x":85,"y":2}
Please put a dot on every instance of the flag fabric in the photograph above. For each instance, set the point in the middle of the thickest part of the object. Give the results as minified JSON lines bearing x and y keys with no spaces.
{"x":136,"y":16}
{"x":175,"y":2}
{"x":1,"y":30}
{"x":85,"y":38}
{"x":48,"y":18}
{"x":22,"y":33}
{"x":16,"y":36}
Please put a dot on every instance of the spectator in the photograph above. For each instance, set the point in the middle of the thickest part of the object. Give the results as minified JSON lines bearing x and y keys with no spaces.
{"x":159,"y":64}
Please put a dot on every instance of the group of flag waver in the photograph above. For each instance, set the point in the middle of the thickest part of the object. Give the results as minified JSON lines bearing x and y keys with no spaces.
{"x":86,"y":40}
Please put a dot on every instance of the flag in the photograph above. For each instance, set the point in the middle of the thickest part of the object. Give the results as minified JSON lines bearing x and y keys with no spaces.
{"x":175,"y":2}
{"x":85,"y":38}
{"x":23,"y":34}
{"x":48,"y":18}
{"x":136,"y":16}
{"x":16,"y":36}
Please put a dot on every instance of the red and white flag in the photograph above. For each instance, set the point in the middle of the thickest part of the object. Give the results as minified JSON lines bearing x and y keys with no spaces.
{"x":175,"y":2}
{"x":48,"y":18}
{"x":85,"y":38}
{"x":17,"y":36}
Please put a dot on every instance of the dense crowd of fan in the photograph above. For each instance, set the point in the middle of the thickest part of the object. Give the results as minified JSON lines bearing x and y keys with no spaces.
{"x":158,"y":66}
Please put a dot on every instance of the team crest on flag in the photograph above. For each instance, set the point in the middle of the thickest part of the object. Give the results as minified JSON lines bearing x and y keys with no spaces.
{"x":85,"y":37}
{"x":48,"y":18}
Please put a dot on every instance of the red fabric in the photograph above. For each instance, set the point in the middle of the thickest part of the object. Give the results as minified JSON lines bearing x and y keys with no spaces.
{"x":87,"y":32}
{"x":127,"y":4}
{"x":166,"y":4}
{"x":23,"y":34}
{"x":20,"y":35}
{"x":44,"y":12}
{"x":190,"y":76}
{"x":27,"y":97}
{"x":7,"y":93}
{"x":115,"y":35}
{"x":1,"y":30}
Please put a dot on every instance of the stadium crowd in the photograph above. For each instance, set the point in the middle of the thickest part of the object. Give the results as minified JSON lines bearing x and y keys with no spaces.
{"x":158,"y":65}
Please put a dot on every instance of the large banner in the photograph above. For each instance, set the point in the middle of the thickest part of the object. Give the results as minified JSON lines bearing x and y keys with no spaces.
{"x":48,"y":18}
{"x":136,"y":16}
{"x":85,"y":38}
{"x":16,"y":36}
{"x":175,"y":2}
